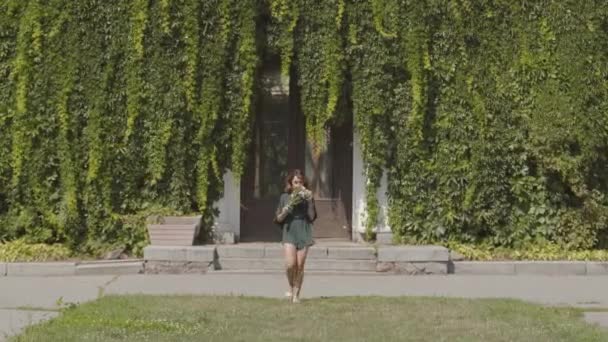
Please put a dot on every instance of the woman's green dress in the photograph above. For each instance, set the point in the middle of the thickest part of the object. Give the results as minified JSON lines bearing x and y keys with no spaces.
{"x":297,"y":225}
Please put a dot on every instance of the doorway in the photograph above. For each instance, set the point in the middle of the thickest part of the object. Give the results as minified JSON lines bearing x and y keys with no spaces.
{"x":279,"y":144}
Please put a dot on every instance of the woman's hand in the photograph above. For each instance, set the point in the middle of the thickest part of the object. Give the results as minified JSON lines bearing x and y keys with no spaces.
{"x":286,"y":210}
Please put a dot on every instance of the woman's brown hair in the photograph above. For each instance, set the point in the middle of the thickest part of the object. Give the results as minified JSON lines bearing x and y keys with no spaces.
{"x":291,"y":175}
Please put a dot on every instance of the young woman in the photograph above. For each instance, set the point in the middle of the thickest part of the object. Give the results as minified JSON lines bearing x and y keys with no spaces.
{"x":295,"y":213}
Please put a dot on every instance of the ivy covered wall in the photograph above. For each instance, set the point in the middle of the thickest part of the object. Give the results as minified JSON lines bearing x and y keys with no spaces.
{"x":110,"y":109}
{"x":489,"y":117}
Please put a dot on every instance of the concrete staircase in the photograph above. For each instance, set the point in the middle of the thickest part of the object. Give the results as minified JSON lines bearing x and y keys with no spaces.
{"x":344,"y":257}
{"x":320,"y":258}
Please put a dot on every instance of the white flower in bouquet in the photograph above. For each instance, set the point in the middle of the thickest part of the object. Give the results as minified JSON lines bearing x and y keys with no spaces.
{"x":298,"y":195}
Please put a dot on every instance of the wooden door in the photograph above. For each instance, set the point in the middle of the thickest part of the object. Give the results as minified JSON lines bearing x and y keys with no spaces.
{"x":279,"y":144}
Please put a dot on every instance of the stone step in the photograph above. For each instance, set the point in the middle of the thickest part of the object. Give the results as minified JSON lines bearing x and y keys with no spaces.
{"x":270,"y":257}
{"x":316,"y":264}
{"x":308,"y":272}
{"x":315,"y":252}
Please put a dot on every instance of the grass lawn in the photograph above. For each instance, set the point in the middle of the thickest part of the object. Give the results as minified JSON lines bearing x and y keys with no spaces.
{"x":211,"y":318}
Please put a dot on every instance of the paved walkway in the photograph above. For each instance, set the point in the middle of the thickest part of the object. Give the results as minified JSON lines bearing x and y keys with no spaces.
{"x":36,"y":294}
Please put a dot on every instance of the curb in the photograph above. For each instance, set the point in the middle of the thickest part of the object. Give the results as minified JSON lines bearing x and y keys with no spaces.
{"x":544,"y":268}
{"x":40,"y":268}
{"x":110,"y":267}
{"x":390,"y":260}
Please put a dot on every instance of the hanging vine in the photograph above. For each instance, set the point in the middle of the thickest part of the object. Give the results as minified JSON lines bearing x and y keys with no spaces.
{"x":67,"y":171}
{"x":191,"y":26}
{"x":286,"y":14}
{"x":165,"y":14}
{"x":371,"y":89}
{"x":418,"y":63}
{"x":29,"y":47}
{"x":9,"y":31}
{"x":134,"y":96}
{"x":212,"y":88}
{"x":320,"y":67}
{"x":383,"y":10}
{"x":245,"y":66}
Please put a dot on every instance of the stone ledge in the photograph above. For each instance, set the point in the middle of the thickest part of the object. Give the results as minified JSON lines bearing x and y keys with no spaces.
{"x":351,"y":253}
{"x":279,"y":264}
{"x":240,"y":251}
{"x":2,"y":269}
{"x":413,"y":268}
{"x":340,"y":265}
{"x":133,"y":267}
{"x":413,"y":254}
{"x":179,"y":253}
{"x":200,"y":253}
{"x":317,"y":252}
{"x":40,"y":268}
{"x":176,"y":267}
{"x":249,"y":264}
{"x":273,"y":252}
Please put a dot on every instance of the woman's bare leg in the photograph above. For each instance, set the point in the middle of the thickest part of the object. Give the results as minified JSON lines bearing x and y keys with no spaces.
{"x":290,"y":266}
{"x":299,"y":278}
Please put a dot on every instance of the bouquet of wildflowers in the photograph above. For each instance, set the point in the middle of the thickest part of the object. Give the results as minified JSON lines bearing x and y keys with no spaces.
{"x":298,"y":195}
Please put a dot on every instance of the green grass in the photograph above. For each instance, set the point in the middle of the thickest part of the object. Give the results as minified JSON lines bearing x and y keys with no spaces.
{"x":211,"y":318}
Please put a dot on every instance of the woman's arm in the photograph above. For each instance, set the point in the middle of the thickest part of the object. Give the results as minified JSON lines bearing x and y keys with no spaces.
{"x":312,"y":210}
{"x":282,"y":211}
